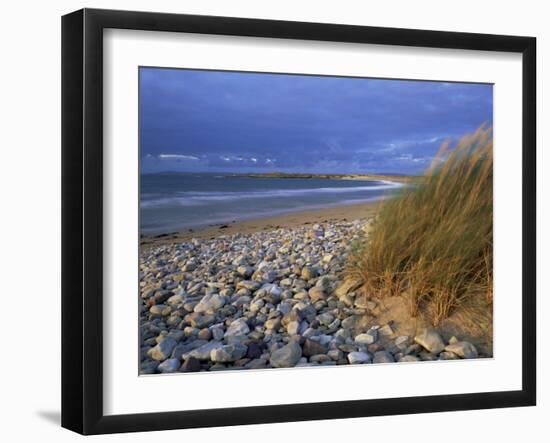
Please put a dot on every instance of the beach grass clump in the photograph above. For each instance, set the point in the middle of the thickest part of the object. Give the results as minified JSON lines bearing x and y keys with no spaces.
{"x":433,"y":243}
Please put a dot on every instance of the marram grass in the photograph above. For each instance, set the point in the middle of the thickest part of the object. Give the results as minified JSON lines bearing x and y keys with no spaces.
{"x":433,"y":243}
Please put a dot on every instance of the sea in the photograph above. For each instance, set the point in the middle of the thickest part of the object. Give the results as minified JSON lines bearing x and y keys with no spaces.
{"x":172,"y":202}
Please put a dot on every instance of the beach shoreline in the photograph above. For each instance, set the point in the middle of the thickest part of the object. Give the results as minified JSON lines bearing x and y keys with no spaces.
{"x":274,"y":293}
{"x":287,"y":220}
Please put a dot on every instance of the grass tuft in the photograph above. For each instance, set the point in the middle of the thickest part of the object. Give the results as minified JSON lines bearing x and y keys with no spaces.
{"x":434,"y":242}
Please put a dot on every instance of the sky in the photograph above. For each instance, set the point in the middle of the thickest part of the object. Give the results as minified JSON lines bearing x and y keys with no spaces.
{"x":194,"y":120}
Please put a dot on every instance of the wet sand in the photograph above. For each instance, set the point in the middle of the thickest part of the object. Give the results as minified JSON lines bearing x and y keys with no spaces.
{"x":290,"y":220}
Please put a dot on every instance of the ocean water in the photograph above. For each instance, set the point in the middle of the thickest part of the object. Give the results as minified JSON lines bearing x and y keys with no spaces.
{"x":172,"y":202}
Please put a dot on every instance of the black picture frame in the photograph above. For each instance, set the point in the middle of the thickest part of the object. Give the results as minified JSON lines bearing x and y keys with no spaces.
{"x":82,"y":216}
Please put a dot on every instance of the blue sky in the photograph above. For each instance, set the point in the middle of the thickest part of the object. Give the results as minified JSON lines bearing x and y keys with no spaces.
{"x":218,"y":121}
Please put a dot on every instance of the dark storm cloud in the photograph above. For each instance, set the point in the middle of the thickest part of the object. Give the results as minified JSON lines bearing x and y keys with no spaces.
{"x":222,"y":121}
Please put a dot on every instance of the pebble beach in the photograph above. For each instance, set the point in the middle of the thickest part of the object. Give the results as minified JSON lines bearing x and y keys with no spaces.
{"x":269,"y":297}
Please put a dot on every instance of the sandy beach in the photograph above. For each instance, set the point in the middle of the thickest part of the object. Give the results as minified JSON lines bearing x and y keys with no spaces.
{"x":273,"y":293}
{"x":290,"y":220}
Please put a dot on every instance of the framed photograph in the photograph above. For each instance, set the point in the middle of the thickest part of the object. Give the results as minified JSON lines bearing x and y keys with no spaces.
{"x":268,"y":221}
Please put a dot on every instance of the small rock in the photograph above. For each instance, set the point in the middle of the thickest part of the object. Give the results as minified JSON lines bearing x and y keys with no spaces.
{"x":350,"y":322}
{"x":316,"y":293}
{"x":430,"y":340}
{"x":175,"y":300}
{"x":446,"y":355}
{"x":319,"y":358}
{"x":463,"y":349}
{"x":160,"y":310}
{"x":346,"y":287}
{"x":274,"y":323}
{"x":257,"y":363}
{"x":245,"y":271}
{"x":217,"y":333}
{"x":308,"y":273}
{"x":228,"y":353}
{"x":364,"y":339}
{"x":293,"y":327}
{"x":163,"y":350}
{"x":148,"y":367}
{"x":358,"y":357}
{"x":311,"y":348}
{"x":386,"y":330}
{"x":203,"y":352}
{"x":383,"y":357}
{"x":210,"y":303}
{"x":205,"y":334}
{"x":254,"y":351}
{"x":287,"y":356}
{"x":325,"y":319}
{"x":408,"y":358}
{"x":238,"y":327}
{"x":199,"y":320}
{"x":192,"y":364}
{"x":169,"y":366}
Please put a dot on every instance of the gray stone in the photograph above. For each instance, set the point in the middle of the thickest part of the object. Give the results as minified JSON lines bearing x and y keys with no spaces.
{"x":402,"y":342}
{"x":346,"y":287}
{"x":257,"y":363}
{"x":358,"y":357}
{"x":326,"y":318}
{"x":251,"y":285}
{"x":386,"y":331}
{"x":217,"y":333}
{"x":228,"y":353}
{"x":254,"y":351}
{"x":238,"y":327}
{"x":463,"y":349}
{"x":364,"y":339}
{"x":163,"y":350}
{"x":350,"y":322}
{"x":316,"y":293}
{"x":205,"y":334}
{"x":319,"y":358}
{"x":169,"y":366}
{"x":210,"y":303}
{"x":199,"y":320}
{"x":192,"y":364}
{"x":287,"y":356}
{"x":408,"y":358}
{"x":175,"y":300}
{"x":273,"y":323}
{"x":312,"y":347}
{"x":183,"y":348}
{"x":308,"y":273}
{"x":245,"y":271}
{"x":160,"y":310}
{"x":203,"y":352}
{"x":383,"y":357}
{"x":335,"y":354}
{"x":430,"y":340}
{"x":149,"y":367}
{"x":446,"y":355}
